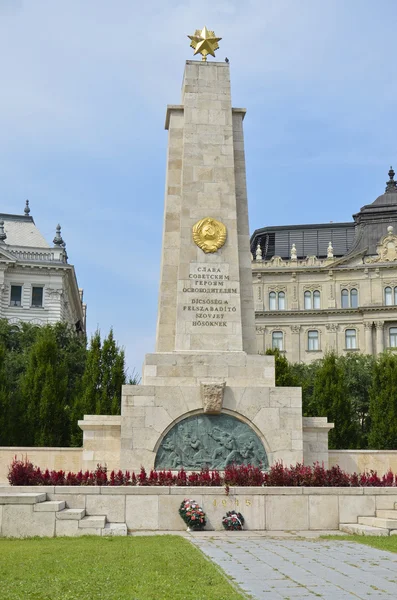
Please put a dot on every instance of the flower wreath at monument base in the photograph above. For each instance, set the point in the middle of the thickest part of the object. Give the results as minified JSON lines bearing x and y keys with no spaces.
{"x":193,"y":515}
{"x":233,"y":521}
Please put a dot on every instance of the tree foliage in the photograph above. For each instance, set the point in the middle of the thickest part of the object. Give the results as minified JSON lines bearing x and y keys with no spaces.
{"x":331,"y":400}
{"x":357,"y":392}
{"x":383,"y":403}
{"x":49,"y":379}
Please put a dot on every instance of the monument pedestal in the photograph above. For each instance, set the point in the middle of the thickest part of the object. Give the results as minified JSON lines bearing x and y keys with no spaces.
{"x":169,"y":410}
{"x":207,"y":398}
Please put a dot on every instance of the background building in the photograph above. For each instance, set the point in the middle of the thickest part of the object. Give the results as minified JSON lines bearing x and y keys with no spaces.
{"x":37,"y":285}
{"x":329,"y":286}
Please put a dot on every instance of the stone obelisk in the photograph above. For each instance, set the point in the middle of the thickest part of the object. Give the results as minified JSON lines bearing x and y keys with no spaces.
{"x":207,"y":397}
{"x":206,"y":301}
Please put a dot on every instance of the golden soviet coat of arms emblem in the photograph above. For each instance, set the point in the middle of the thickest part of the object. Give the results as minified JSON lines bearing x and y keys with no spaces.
{"x":209,"y":234}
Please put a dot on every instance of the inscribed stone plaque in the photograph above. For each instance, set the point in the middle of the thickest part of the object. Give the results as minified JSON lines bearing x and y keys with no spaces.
{"x":212,"y":441}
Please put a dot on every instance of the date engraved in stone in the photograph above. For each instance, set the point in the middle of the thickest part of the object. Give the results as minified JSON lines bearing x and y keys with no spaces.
{"x":231,"y":502}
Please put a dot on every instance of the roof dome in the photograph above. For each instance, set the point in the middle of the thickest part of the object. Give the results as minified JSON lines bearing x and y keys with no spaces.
{"x":390,"y":195}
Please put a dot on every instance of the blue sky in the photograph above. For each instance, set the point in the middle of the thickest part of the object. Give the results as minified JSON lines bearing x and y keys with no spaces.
{"x":84,"y":87}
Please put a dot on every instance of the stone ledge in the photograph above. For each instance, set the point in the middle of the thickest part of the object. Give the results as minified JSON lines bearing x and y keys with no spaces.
{"x":170,"y":108}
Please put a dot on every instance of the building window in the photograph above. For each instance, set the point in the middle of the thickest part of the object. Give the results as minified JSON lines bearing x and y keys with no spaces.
{"x":277,"y":340}
{"x":316,"y":299}
{"x":16,"y":295}
{"x":277,"y":301}
{"x":350,"y":339}
{"x":353,"y":298}
{"x":272,"y":300}
{"x":345,"y":299}
{"x":349,"y":300}
{"x":308,"y":300}
{"x":312,"y":340}
{"x":393,"y":337}
{"x":390,"y":296}
{"x":281,"y":301}
{"x":312,"y":300}
{"x":37,"y":296}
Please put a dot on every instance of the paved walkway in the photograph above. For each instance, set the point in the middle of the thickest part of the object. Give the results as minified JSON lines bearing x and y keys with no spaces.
{"x":270,"y":569}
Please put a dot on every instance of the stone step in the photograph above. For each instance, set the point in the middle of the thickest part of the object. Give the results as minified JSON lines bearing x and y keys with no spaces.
{"x":23,"y":498}
{"x":115,"y":529}
{"x":377,"y":522}
{"x":357,"y":529}
{"x":74,"y":514}
{"x":50,"y":506}
{"x":386,"y":514}
{"x":93,"y":521}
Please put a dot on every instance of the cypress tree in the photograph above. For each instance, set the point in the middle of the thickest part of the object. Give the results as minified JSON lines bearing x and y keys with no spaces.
{"x":91,"y":381}
{"x":4,"y":399}
{"x":113,"y":376}
{"x":44,"y":387}
{"x":330,"y":399}
{"x":383,"y":404}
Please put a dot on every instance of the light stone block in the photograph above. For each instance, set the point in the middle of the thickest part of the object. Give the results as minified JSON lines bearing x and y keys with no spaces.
{"x":352,"y":507}
{"x":142,"y":512}
{"x":324,"y":512}
{"x":21,"y":521}
{"x":22,"y":498}
{"x":385,"y":502}
{"x":169,"y":517}
{"x":113,"y":507}
{"x":287,"y":513}
{"x":66,"y":528}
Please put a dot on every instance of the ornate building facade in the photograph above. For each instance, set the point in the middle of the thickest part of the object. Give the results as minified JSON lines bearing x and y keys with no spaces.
{"x":37,"y":284}
{"x":329,"y":286}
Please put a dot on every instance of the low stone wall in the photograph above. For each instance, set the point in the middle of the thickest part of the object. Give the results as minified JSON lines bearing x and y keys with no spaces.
{"x":358,"y":461}
{"x":67,"y":459}
{"x":156,"y":508}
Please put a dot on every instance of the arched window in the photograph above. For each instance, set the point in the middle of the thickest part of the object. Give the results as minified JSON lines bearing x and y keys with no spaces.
{"x":316,"y":299}
{"x":272,"y":301}
{"x":277,"y":301}
{"x":277,"y":340}
{"x":388,"y":296}
{"x":281,"y":301}
{"x":349,"y":300}
{"x":350,"y":339}
{"x":395,"y":295}
{"x":393,"y":337}
{"x":353,"y":298}
{"x":312,"y":340}
{"x":308,"y":300}
{"x":345,"y":298}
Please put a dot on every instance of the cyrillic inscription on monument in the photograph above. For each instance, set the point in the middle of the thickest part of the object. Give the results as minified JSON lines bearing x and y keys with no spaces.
{"x":210,"y":298}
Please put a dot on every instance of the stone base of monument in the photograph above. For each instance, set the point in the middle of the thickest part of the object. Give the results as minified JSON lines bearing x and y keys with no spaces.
{"x":209,"y":409}
{"x":205,"y":409}
{"x":55,"y":511}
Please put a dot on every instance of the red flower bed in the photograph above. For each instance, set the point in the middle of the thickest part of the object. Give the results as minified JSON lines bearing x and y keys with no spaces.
{"x":23,"y":472}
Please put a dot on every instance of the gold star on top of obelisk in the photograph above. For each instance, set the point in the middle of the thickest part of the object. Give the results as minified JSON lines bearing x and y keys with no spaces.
{"x":204,"y":42}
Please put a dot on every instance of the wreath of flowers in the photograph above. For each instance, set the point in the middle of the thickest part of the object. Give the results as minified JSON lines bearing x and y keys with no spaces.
{"x":192,"y":514}
{"x":233,"y":521}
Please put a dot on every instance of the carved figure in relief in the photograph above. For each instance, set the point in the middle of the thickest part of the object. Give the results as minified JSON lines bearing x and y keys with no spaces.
{"x":173,"y":457}
{"x":212,"y":441}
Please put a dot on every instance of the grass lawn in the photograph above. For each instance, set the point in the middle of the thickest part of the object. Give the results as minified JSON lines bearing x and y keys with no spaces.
{"x":382,"y":543}
{"x":130,"y":568}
